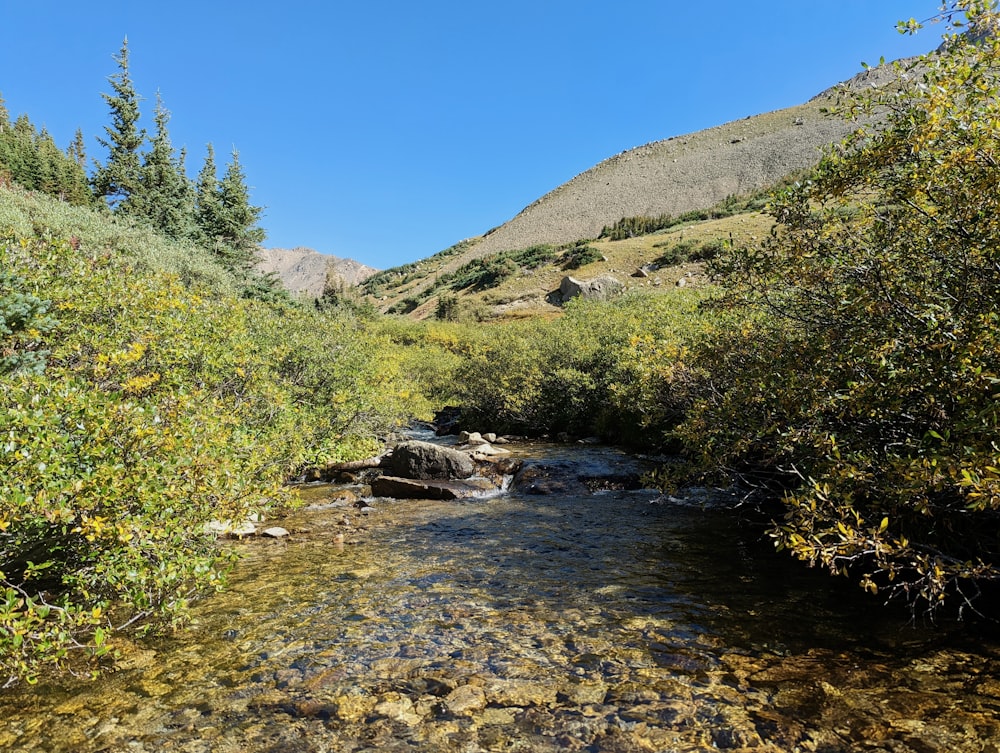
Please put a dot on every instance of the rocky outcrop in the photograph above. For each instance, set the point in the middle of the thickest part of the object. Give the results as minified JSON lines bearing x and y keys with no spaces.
{"x":422,"y":470}
{"x":599,"y":289}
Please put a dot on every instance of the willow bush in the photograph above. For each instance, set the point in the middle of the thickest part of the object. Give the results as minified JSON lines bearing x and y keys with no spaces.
{"x":862,"y":385}
{"x":149,"y":408}
{"x":602,"y":368}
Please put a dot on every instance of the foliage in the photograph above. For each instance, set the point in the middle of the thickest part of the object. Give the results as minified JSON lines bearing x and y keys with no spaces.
{"x":32,"y":160}
{"x":27,"y":213}
{"x":602,"y":367}
{"x":632,"y":227}
{"x":24,"y":321}
{"x":161,"y":407}
{"x":230,"y":225}
{"x":447,"y":307}
{"x":165,"y":197}
{"x":862,"y":382}
{"x":153,"y":188}
{"x":683,"y":251}
{"x":395,"y":277}
{"x":121,"y":176}
{"x":481,"y":274}
{"x":579,"y":255}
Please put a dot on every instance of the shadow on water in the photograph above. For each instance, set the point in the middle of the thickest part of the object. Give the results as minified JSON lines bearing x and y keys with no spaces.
{"x":613,"y":621}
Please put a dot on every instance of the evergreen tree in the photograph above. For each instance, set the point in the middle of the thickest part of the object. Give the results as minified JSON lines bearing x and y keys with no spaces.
{"x":241,"y":234}
{"x":76,"y":151}
{"x":5,"y":175}
{"x":121,"y":177}
{"x":32,"y":160}
{"x":163,"y":187}
{"x":207,"y":200}
{"x":228,"y":223}
{"x":49,"y":163}
{"x":22,"y":158}
{"x":189,"y":197}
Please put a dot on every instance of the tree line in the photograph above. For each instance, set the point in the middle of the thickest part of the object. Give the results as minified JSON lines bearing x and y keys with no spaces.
{"x":143,"y":179}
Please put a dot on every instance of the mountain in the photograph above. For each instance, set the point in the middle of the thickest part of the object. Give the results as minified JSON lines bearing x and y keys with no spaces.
{"x":673,"y":176}
{"x":683,"y":173}
{"x":306,"y":272}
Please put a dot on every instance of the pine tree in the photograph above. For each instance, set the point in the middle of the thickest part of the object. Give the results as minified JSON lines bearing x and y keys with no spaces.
{"x":5,"y":145}
{"x":228,"y":223}
{"x":76,"y":151}
{"x":161,"y":198}
{"x":121,"y":177}
{"x":189,"y":197}
{"x":241,"y":233}
{"x":207,"y":200}
{"x":49,"y":164}
{"x":23,"y":160}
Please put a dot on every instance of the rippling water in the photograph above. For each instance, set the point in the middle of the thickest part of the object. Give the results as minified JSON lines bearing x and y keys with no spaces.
{"x":614,"y":621}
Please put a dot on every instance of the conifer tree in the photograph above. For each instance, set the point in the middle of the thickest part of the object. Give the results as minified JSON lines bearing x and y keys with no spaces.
{"x":32,"y":160}
{"x":189,"y":197}
{"x":76,"y":151}
{"x":120,"y":178}
{"x":163,"y":185}
{"x":22,"y":158}
{"x":241,"y":232}
{"x":49,"y":156}
{"x":228,"y":223}
{"x":207,"y":199}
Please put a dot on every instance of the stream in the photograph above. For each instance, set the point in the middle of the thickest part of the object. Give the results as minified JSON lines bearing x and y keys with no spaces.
{"x":604,"y":621}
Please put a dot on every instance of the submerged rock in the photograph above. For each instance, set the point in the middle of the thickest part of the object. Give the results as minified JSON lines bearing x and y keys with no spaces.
{"x":235,"y":529}
{"x":465,"y":699}
{"x":472,"y":438}
{"x":486,"y":450}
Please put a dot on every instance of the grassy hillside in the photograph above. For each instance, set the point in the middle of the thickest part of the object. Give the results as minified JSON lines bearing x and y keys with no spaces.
{"x":522,"y":282}
{"x":680,"y":177}
{"x":674,"y":177}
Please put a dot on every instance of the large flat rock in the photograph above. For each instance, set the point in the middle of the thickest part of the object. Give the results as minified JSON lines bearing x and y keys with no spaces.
{"x":408,"y":488}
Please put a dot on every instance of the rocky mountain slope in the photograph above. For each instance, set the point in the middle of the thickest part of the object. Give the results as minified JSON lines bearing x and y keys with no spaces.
{"x":683,"y":173}
{"x":680,"y":174}
{"x":306,"y":272}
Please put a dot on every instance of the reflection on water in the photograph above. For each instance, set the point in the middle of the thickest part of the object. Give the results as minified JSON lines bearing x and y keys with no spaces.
{"x":605,"y":622}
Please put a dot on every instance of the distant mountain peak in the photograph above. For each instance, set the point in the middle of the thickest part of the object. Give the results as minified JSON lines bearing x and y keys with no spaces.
{"x":306,"y":272}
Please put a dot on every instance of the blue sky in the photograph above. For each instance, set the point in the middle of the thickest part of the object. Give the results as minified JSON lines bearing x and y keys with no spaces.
{"x":386,"y":131}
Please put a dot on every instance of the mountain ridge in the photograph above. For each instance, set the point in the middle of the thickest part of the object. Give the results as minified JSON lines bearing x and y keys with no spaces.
{"x":308,"y":273}
{"x":671,"y":176}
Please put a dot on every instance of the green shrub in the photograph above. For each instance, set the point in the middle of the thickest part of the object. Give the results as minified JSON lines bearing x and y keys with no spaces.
{"x":683,"y":251}
{"x":860,"y":386}
{"x":161,"y":407}
{"x":579,"y":255}
{"x":597,"y":369}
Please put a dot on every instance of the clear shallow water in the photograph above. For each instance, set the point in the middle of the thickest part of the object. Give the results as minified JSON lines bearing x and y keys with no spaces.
{"x":613,"y":621}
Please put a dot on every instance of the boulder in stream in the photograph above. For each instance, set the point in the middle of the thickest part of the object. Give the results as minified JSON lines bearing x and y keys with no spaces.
{"x":409,"y":488}
{"x":423,"y":460}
